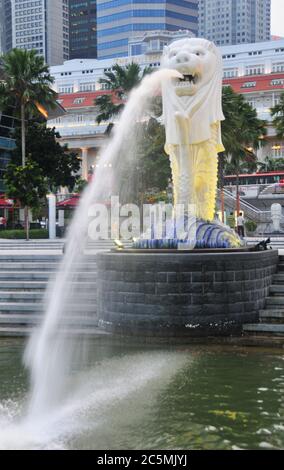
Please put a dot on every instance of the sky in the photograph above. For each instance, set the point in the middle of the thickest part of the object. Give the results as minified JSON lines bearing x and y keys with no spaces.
{"x":277,"y":17}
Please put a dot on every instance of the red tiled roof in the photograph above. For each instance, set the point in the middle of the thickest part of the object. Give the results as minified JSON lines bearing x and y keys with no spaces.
{"x":256,"y":83}
{"x":67,"y":100}
{"x":247,"y":84}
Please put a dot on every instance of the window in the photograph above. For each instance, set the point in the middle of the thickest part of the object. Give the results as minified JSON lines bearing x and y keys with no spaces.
{"x":248,"y":85}
{"x":255,"y":70}
{"x":79,"y":100}
{"x":87,"y":86}
{"x":279,"y":67}
{"x":66,"y":89}
{"x":277,"y":82}
{"x":229,"y":73}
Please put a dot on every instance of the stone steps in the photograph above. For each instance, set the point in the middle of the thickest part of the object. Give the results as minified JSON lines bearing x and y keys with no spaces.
{"x":55,"y":245}
{"x":281,"y":267}
{"x":278,"y":279}
{"x":25,"y":275}
{"x":15,"y":285}
{"x":24,"y":319}
{"x":25,"y":266}
{"x":11,"y":307}
{"x":267,"y":328}
{"x":276,"y":289}
{"x":273,"y":316}
{"x":25,"y":330}
{"x":25,"y":269}
{"x":270,"y":329}
{"x":37,"y":296}
{"x":21,"y":296}
{"x":30,"y":258}
{"x":40,"y":275}
{"x":275,"y":300}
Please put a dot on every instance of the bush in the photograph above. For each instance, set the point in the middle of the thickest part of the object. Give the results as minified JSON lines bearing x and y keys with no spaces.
{"x":21,"y":235}
{"x":250,"y":226}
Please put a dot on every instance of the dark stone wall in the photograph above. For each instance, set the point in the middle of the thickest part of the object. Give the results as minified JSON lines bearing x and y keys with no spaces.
{"x":182,"y":294}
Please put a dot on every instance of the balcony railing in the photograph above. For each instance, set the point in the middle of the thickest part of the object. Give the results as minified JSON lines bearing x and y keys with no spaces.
{"x":7,"y":143}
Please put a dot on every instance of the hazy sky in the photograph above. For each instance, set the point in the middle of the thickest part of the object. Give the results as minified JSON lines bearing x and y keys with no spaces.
{"x":278,"y":17}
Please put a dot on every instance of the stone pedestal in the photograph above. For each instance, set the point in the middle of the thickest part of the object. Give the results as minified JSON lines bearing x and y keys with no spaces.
{"x":182,"y":294}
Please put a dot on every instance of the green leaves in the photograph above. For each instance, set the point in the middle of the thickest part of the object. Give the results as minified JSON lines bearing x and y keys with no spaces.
{"x":26,"y":184}
{"x":120,"y":81}
{"x":58,"y":165}
{"x":277,"y":112}
{"x":27,"y":81}
{"x":154,"y":165}
{"x":271,"y":164}
{"x":242,"y":133}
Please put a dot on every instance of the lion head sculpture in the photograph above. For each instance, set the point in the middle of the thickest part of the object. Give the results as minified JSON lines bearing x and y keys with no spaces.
{"x":198,"y":95}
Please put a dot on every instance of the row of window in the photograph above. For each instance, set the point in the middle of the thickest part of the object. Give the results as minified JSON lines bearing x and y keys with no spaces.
{"x":92,"y":86}
{"x":146,"y":13}
{"x":119,"y":3}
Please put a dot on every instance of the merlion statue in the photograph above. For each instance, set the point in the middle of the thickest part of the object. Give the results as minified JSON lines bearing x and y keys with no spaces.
{"x":192,"y":112}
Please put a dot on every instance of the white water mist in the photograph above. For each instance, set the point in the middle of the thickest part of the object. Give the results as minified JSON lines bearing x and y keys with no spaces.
{"x":51,"y":353}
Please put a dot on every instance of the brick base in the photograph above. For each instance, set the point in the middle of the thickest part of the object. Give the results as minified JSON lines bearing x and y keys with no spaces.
{"x":182,"y":294}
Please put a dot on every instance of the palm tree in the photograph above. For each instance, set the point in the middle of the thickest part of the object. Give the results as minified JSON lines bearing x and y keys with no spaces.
{"x":277,"y":113}
{"x":242,"y":133}
{"x":118,"y":84}
{"x":271,"y":164}
{"x":27,"y":87}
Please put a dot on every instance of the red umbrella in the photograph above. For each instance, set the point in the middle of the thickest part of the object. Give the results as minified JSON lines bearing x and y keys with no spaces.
{"x":69,"y":203}
{"x":6,"y":203}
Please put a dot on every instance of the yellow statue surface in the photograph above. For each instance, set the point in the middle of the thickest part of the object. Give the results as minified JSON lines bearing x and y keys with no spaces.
{"x":192,"y":113}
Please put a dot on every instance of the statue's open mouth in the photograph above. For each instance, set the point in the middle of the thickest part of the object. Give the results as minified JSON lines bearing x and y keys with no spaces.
{"x":186,"y":85}
{"x":188,"y":78}
{"x":187,"y":81}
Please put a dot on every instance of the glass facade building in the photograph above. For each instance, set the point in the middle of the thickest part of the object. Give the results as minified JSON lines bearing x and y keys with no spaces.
{"x":119,"y":20}
{"x":7,"y":144}
{"x":5,"y":26}
{"x":229,"y":22}
{"x":83,"y":29}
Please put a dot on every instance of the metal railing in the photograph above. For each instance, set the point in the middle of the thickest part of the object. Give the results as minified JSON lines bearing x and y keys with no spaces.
{"x":250,"y":211}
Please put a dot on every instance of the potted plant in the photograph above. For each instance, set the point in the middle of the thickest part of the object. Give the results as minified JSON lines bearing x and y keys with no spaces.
{"x":250,"y":227}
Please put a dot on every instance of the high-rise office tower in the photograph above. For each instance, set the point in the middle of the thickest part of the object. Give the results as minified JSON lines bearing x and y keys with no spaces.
{"x":118,"y":20}
{"x":5,"y":26}
{"x":2,"y":27}
{"x":42,"y":25}
{"x":83,"y":29}
{"x":235,"y":21}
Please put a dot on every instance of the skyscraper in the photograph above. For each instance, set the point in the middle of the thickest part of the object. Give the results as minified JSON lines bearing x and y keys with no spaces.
{"x":235,"y":21}
{"x":42,"y":25}
{"x":83,"y":29}
{"x":5,"y":26}
{"x":117,"y":20}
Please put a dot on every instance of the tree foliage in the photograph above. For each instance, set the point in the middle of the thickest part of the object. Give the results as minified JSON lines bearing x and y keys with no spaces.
{"x":59,"y":166}
{"x":27,"y":82}
{"x":153,"y":163}
{"x":271,"y":164}
{"x":277,"y":113}
{"x":27,"y":88}
{"x":26,"y":184}
{"x":242,"y":133}
{"x":119,"y":81}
